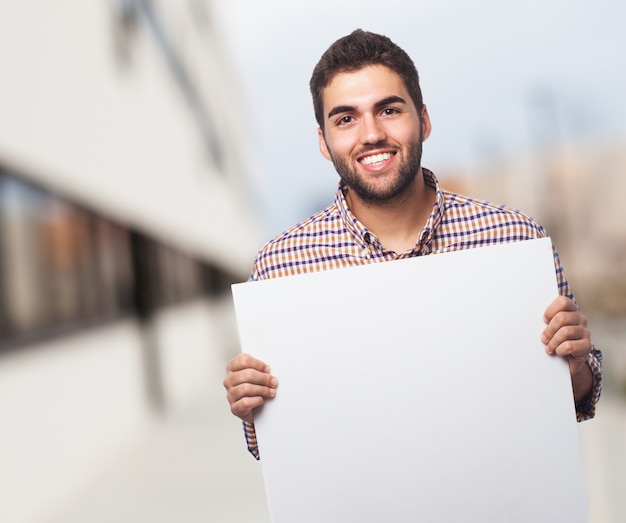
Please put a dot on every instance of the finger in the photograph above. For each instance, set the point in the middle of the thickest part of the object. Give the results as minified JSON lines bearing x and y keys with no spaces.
{"x":248,"y":390}
{"x":245,"y":407}
{"x":245,"y":398}
{"x":251,"y":376}
{"x":245,"y":361}
{"x":559,"y":304}
{"x":570,"y":341}
{"x":561,"y":323}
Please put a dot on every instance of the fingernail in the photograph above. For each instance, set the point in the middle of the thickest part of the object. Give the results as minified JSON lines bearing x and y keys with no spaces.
{"x":273,"y":382}
{"x":544,"y":339}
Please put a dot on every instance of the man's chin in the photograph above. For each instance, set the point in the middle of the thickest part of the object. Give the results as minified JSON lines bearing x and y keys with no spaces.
{"x":377,"y":195}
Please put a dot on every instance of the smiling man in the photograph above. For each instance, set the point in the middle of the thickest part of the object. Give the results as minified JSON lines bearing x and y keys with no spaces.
{"x":372,"y":123}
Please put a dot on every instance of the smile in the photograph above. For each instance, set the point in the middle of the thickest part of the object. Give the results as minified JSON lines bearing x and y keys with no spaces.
{"x":375,"y":158}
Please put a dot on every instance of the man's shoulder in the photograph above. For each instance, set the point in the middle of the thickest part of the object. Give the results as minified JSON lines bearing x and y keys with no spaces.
{"x":297,"y":248}
{"x":476,"y":207}
{"x":470,"y":222}
{"x":319,"y":224}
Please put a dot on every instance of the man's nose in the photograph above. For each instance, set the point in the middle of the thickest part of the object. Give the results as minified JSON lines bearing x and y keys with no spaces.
{"x":371,"y":130}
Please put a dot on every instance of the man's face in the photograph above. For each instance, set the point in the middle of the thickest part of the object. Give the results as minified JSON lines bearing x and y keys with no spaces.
{"x":373,"y":133}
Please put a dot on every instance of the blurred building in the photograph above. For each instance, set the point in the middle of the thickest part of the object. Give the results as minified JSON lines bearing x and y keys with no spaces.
{"x":124,"y":217}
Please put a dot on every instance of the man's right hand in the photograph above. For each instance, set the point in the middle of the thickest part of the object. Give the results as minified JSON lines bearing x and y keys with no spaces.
{"x":248,"y":383}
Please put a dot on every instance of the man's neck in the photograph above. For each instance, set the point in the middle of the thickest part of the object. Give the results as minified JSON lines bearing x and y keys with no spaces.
{"x":396,"y":224}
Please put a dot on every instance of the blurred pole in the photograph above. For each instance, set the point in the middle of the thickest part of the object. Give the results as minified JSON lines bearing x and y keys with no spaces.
{"x":145,"y":299}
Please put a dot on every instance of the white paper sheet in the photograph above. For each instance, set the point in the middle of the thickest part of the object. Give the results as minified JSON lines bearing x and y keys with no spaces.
{"x":416,"y":390}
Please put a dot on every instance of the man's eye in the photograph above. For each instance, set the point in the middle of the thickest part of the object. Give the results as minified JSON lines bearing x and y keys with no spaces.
{"x":344,"y":120}
{"x":389,"y":111}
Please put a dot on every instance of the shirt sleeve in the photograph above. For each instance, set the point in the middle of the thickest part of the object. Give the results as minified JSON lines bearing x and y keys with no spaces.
{"x":586,"y":408}
{"x":250,"y":433}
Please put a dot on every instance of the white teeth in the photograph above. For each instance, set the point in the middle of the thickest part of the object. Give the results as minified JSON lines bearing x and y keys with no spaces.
{"x":376,"y":158}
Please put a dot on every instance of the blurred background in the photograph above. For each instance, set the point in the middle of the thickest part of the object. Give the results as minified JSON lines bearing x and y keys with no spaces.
{"x":149,"y":148}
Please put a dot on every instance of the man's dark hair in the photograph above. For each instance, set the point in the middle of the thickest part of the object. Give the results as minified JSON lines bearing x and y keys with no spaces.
{"x":355,"y":51}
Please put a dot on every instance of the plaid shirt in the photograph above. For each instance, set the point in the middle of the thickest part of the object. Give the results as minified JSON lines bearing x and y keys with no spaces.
{"x":334,"y":238}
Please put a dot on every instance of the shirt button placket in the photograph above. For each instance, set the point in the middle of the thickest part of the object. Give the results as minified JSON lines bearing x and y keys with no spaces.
{"x":366,"y":252}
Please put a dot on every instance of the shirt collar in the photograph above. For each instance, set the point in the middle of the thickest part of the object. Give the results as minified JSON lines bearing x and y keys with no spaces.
{"x":355,"y":228}
{"x":364,"y":238}
{"x":436,"y":215}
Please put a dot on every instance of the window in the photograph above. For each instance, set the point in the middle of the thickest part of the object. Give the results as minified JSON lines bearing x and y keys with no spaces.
{"x":64,"y":267}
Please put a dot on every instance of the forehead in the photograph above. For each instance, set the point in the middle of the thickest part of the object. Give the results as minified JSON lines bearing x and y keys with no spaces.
{"x":363,"y":87}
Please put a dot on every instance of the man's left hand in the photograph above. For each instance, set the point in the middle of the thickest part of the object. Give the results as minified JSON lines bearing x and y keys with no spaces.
{"x":566,"y":335}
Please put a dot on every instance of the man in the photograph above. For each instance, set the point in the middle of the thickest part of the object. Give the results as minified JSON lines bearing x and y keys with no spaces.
{"x":372,"y":123}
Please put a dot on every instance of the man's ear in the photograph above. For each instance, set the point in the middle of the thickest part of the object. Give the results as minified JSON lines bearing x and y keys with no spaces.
{"x":323,"y":147}
{"x":426,"y":125}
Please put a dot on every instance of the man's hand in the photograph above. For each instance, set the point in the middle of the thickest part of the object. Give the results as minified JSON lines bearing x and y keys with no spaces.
{"x":566,"y":335}
{"x":248,"y":382}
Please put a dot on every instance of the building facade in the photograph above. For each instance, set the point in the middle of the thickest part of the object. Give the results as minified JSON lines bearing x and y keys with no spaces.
{"x":125,"y":214}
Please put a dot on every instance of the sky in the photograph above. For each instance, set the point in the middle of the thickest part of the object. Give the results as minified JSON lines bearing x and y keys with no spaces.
{"x":492,"y":74}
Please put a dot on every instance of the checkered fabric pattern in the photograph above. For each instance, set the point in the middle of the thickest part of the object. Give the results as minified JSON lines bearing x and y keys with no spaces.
{"x":334,"y":238}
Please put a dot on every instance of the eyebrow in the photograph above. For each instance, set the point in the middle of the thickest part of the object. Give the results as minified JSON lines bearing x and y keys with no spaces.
{"x":381,"y":103}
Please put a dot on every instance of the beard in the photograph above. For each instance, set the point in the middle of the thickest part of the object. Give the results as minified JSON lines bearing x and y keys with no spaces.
{"x":372,"y":194}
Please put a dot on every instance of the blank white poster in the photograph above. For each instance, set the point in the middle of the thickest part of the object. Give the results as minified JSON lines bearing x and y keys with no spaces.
{"x":416,"y":390}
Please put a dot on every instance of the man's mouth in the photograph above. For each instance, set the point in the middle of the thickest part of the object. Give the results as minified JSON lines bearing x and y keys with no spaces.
{"x":375,"y":158}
